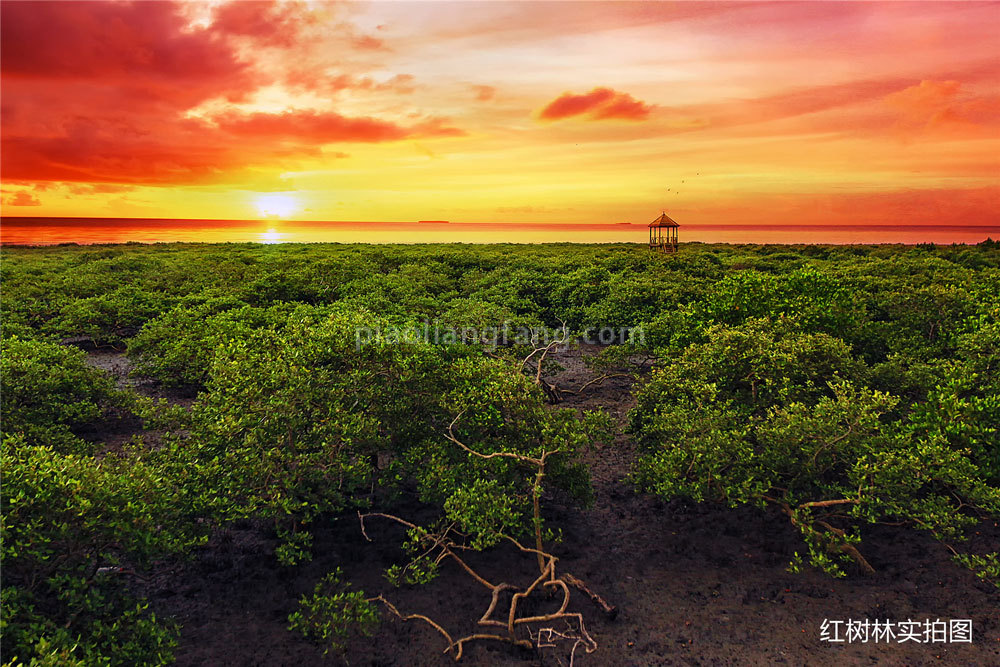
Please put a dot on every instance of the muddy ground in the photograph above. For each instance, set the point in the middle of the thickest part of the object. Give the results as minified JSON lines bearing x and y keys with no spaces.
{"x":693,"y":584}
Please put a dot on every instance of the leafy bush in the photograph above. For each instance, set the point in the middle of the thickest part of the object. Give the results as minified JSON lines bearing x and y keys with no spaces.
{"x":758,"y":415}
{"x":109,"y":318}
{"x":817,"y":301}
{"x":963,"y":410}
{"x":178,"y":347}
{"x":49,"y":392}
{"x":71,"y":526}
{"x":332,"y":612}
{"x":294,"y":420}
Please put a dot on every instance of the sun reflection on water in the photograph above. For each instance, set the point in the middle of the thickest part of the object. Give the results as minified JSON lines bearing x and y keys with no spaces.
{"x":271,"y":236}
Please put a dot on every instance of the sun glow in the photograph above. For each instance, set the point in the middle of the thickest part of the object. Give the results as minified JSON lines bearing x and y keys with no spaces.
{"x":271,"y":236}
{"x":276,"y":205}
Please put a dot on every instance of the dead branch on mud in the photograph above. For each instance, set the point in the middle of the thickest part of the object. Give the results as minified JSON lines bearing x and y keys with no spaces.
{"x":598,"y":380}
{"x":609,"y":610}
{"x":548,"y":638}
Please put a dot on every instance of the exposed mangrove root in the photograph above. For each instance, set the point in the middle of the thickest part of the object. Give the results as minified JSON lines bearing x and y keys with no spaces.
{"x":505,"y":628}
{"x":441,"y":545}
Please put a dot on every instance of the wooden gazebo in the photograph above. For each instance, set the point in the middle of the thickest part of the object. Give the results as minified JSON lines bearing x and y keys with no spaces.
{"x":663,"y":234}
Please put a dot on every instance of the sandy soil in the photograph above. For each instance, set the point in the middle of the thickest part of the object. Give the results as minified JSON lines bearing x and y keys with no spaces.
{"x":694,"y":585}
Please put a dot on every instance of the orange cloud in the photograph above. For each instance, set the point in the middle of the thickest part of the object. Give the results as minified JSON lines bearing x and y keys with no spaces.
{"x":484,"y":93}
{"x":600,"y":103}
{"x":22,"y":199}
{"x":329,"y":127}
{"x":942,"y":107}
{"x":311,"y":80}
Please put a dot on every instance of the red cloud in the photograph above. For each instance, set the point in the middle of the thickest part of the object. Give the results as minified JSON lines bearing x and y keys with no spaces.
{"x":268,"y":23}
{"x":193,"y":151}
{"x":145,"y":48}
{"x":600,"y":103}
{"x":568,"y":104}
{"x":98,"y":92}
{"x":310,"y":125}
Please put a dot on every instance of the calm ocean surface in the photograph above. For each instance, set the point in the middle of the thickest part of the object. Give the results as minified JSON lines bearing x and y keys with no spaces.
{"x":48,"y":231}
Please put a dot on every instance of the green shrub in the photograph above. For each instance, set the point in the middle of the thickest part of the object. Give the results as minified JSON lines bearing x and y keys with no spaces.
{"x":49,"y":392}
{"x":294,"y":420}
{"x":761,"y":416}
{"x":69,"y":523}
{"x":178,"y":347}
{"x":333,"y":612}
{"x":109,"y":318}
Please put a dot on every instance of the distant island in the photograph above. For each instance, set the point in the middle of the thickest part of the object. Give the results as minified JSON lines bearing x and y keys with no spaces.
{"x":433,"y":222}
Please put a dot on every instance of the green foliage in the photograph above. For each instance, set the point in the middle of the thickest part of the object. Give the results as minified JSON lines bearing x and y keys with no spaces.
{"x":817,"y":301}
{"x":333,"y":612}
{"x":753,"y":366}
{"x":422,"y":568}
{"x":482,"y":509}
{"x":986,"y":567}
{"x":67,"y":516}
{"x":279,"y":429}
{"x":963,"y":408}
{"x":108,"y":318}
{"x":745,"y":418}
{"x":178,"y":347}
{"x":49,"y":392}
{"x":842,"y":386}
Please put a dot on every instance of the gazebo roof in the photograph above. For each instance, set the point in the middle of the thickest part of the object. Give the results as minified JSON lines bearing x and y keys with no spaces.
{"x":664,"y":221}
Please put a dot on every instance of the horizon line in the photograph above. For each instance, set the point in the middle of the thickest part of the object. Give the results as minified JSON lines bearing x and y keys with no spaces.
{"x":498,"y":222}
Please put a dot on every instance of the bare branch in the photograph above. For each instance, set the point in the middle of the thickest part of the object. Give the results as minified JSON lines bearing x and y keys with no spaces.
{"x":506,"y":455}
{"x":828,"y":503}
{"x":420,"y":617}
{"x":597,"y":380}
{"x":362,"y":517}
{"x":609,"y":610}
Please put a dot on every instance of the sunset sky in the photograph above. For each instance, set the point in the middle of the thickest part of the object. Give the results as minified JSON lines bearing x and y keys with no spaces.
{"x":811,"y":113}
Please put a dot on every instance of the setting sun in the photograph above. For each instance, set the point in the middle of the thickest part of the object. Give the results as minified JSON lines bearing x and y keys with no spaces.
{"x":277,"y":205}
